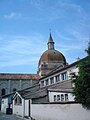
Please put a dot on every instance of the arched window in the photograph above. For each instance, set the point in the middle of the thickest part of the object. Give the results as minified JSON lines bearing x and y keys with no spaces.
{"x":14,"y":89}
{"x":3,"y":91}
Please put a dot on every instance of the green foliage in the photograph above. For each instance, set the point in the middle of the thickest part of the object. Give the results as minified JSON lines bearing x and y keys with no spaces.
{"x":81,"y":90}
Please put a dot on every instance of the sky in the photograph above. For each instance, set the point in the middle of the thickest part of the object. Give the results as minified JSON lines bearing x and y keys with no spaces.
{"x":25,"y":26}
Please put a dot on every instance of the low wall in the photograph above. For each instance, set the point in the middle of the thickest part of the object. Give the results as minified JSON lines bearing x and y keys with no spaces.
{"x":59,"y":112}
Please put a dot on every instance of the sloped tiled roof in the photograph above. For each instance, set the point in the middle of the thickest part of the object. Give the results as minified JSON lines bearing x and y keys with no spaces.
{"x":8,"y":76}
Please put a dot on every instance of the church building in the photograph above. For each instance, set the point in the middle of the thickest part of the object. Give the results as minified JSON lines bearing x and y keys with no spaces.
{"x":49,"y":60}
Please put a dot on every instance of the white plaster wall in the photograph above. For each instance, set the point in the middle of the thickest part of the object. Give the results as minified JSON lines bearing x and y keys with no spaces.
{"x":51,"y":96}
{"x":71,"y":97}
{"x":22,"y":110}
{"x":4,"y":105}
{"x":72,"y":69}
{"x":26,"y":107}
{"x":18,"y":109}
{"x":59,"y":112}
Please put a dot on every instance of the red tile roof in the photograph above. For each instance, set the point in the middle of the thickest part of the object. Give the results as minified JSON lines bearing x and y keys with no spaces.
{"x":8,"y":76}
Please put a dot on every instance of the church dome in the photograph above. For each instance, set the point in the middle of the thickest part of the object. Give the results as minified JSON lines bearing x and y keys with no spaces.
{"x":52,"y":55}
{"x":50,"y":59}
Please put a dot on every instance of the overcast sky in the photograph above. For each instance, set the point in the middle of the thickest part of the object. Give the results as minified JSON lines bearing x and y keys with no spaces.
{"x":25,"y":27}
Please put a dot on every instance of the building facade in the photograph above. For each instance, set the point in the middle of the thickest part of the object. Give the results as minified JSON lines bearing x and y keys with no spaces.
{"x":13,"y":82}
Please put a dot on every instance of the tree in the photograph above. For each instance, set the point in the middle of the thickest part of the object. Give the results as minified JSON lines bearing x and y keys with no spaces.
{"x":81,"y":91}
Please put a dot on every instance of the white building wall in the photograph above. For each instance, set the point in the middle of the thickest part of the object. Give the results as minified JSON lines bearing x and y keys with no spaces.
{"x":18,"y":109}
{"x":72,"y":69}
{"x":71,"y":97}
{"x":4,"y":105}
{"x":23,"y":109}
{"x":59,"y":112}
{"x":26,"y":107}
{"x":51,"y":96}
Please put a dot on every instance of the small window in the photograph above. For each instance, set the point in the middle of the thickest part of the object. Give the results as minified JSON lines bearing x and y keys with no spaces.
{"x":18,"y":101}
{"x":64,"y":76}
{"x":14,"y":89}
{"x":54,"y":98}
{"x":66,"y":97}
{"x":3,"y":92}
{"x":44,"y":64}
{"x":47,"y":82}
{"x":42,"y":83}
{"x":58,"y":97}
{"x":62,"y":97}
{"x":51,"y":80}
{"x":57,"y":78}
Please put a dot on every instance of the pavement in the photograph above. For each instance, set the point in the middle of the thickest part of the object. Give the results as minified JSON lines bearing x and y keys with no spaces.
{"x":4,"y":116}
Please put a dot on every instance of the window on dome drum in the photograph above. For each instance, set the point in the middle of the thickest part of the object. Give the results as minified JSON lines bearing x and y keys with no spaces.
{"x":64,"y":76}
{"x":66,"y":97}
{"x":54,"y":98}
{"x":57,"y":78}
{"x":3,"y":91}
{"x":47,"y":82}
{"x":52,"y":80}
{"x":62,"y":97}
{"x":44,"y":64}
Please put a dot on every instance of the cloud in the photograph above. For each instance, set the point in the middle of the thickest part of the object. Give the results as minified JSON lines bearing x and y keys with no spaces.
{"x":21,"y":50}
{"x":12,"y":15}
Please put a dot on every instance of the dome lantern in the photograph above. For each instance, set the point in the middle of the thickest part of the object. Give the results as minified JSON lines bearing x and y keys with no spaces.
{"x":50,"y":42}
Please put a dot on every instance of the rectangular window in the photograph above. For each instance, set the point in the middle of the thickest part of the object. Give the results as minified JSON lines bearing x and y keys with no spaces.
{"x":54,"y":98}
{"x":57,"y":78}
{"x":66,"y":97}
{"x":51,"y":80}
{"x":62,"y":97}
{"x":58,"y":97}
{"x":47,"y":82}
{"x":64,"y":76}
